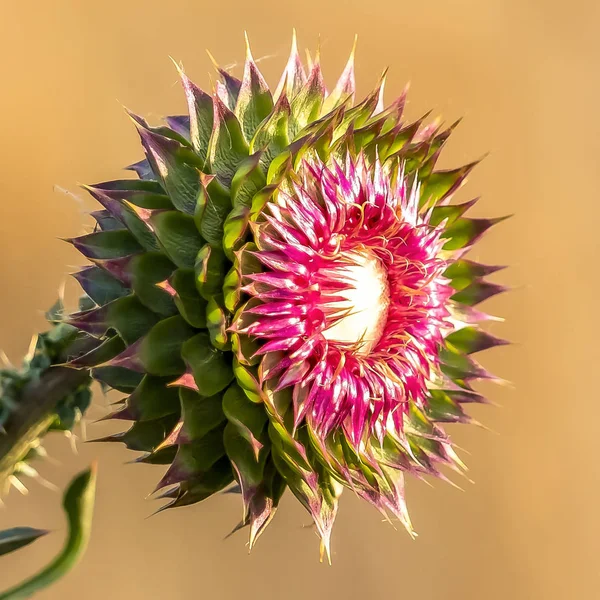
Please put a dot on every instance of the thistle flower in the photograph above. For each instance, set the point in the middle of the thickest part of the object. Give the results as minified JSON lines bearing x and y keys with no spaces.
{"x":284,"y":298}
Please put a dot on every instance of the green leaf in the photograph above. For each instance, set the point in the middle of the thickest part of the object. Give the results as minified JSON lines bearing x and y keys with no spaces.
{"x":152,"y":399}
{"x":306,"y":105}
{"x":272,"y":136}
{"x":133,"y":219}
{"x":162,"y":130}
{"x":227,"y":146}
{"x":399,"y":142}
{"x":133,"y":190}
{"x":463,"y":272}
{"x":106,"y":244}
{"x":217,"y":323}
{"x":130,"y":200}
{"x":162,"y":456}
{"x":472,"y":339}
{"x":235,"y":229}
{"x":441,"y":407}
{"x":254,"y":102}
{"x":232,"y":289}
{"x":461,"y":367}
{"x":108,"y":349}
{"x":200,"y":107}
{"x":200,"y":414}
{"x":211,"y":367}
{"x":245,"y":438}
{"x":178,"y":236}
{"x":358,"y":116}
{"x":345,"y":86}
{"x":214,"y":204}
{"x":78,"y":504}
{"x":201,"y":486}
{"x":248,"y":381}
{"x":131,"y":319}
{"x":99,"y":285}
{"x":477,"y":292}
{"x":198,"y":456}
{"x":190,"y":304}
{"x":245,"y":349}
{"x":118,"y":378}
{"x":147,"y":270}
{"x":105,"y":221}
{"x":248,"y":459}
{"x":160,"y":350}
{"x":248,"y":180}
{"x":441,"y":184}
{"x":128,"y":316}
{"x":450,"y":212}
{"x":323,"y":138}
{"x":228,"y":89}
{"x":293,"y":77}
{"x":249,"y":417}
{"x":261,"y":198}
{"x":245,"y":262}
{"x":145,"y":436}
{"x":464,"y":232}
{"x":17,"y":537}
{"x":177,"y":166}
{"x":314,"y":487}
{"x":210,"y":271}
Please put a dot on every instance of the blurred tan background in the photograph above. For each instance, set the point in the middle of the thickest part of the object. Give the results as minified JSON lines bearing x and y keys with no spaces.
{"x":525,"y":76}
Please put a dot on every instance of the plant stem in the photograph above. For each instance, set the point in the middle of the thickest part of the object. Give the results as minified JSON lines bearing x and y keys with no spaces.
{"x":34,"y":413}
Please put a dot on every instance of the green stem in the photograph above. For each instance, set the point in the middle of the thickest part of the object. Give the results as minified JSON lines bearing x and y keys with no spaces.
{"x":34,"y":414}
{"x":78,"y":504}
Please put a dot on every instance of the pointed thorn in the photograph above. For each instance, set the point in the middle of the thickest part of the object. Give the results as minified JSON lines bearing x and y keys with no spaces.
{"x":186,"y":380}
{"x":248,"y":51}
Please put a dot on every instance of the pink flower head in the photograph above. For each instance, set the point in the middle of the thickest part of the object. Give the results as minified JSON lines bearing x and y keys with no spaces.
{"x":352,"y":301}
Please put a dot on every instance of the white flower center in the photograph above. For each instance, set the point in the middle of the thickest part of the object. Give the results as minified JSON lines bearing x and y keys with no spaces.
{"x":366,"y":303}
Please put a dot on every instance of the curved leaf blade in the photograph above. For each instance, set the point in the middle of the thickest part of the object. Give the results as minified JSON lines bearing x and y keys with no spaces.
{"x":18,"y":537}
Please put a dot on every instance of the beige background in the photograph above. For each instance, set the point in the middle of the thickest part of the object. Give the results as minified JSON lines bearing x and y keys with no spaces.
{"x":525,"y":75}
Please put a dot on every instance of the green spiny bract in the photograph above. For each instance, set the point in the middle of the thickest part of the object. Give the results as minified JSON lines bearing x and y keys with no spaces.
{"x":24,"y":424}
{"x":219,"y":275}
